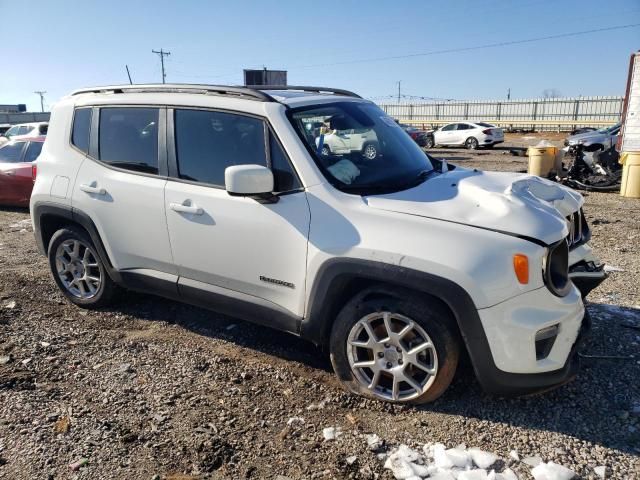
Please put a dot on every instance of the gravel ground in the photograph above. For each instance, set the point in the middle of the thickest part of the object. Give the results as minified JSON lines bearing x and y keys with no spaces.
{"x":154,"y":389}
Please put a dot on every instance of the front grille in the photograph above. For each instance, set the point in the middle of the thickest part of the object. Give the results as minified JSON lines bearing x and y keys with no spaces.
{"x":578,"y":229}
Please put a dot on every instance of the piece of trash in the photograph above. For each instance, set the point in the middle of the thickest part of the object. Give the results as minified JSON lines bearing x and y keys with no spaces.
{"x":352,"y":419}
{"x":611,"y":268}
{"x":293,"y":420}
{"x":514,"y":454}
{"x":373,"y":441}
{"x":532,"y":461}
{"x":45,"y":344}
{"x":601,"y":471}
{"x":317,"y":406}
{"x":351,"y":460}
{"x":331,"y":433}
{"x":26,"y":361}
{"x":552,"y":471}
{"x":75,"y":466}
{"x":62,"y":425}
{"x":10,"y":305}
{"x":5,"y":359}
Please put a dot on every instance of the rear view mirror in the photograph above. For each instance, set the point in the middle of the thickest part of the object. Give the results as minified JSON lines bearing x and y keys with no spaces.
{"x":254,"y":181}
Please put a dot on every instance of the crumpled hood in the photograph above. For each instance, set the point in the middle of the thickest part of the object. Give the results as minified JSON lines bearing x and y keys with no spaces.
{"x":512,"y":203}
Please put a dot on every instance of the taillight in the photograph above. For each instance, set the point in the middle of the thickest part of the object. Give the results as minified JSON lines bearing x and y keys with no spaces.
{"x":34,"y":172}
{"x":487,"y":131}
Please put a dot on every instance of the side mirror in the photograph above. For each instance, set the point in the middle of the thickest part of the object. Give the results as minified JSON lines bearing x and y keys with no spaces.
{"x":254,"y":181}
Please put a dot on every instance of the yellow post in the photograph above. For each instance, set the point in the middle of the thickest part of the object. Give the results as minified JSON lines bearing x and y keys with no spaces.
{"x":630,"y":174}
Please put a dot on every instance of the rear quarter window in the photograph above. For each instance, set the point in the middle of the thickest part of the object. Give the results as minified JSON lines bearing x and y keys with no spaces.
{"x":81,"y":128}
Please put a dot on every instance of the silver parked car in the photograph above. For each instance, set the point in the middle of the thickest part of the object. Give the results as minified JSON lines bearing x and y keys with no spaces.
{"x":601,"y":139}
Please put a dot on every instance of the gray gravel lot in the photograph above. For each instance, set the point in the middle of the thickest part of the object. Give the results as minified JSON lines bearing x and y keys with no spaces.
{"x":155,"y":389}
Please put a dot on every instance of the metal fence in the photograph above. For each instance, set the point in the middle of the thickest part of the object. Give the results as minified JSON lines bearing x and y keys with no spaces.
{"x":534,"y":114}
{"x":25,"y":117}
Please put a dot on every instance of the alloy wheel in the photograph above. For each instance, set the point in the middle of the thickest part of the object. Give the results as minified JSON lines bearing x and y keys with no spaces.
{"x":392,"y":356}
{"x":370,"y":152}
{"x":78,"y":269}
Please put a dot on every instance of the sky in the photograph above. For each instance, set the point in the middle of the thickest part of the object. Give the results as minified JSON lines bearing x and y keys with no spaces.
{"x":58,"y":46}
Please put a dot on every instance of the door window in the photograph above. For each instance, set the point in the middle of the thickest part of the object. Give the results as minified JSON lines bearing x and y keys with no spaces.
{"x":33,"y":150}
{"x":448,"y":128}
{"x":209,"y":142}
{"x":463,"y":126}
{"x":24,"y":130}
{"x":128,"y":138}
{"x":11,"y":152}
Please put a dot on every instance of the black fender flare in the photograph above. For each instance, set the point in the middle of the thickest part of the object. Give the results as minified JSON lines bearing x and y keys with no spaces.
{"x":42,"y":210}
{"x":336,"y":273}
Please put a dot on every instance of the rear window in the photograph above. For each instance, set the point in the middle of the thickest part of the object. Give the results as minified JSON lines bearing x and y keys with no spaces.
{"x":11,"y":152}
{"x":486,"y":125}
{"x":33,"y":150}
{"x":128,"y":138}
{"x":81,"y":128}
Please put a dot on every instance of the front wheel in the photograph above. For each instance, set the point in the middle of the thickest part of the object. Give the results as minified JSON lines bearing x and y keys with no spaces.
{"x":429,"y":143}
{"x":392,"y":345}
{"x":471,"y":143}
{"x":78,"y":270}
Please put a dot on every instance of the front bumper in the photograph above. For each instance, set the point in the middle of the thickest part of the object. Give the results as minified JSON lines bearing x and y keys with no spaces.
{"x":511,"y":365}
{"x":503,"y":383}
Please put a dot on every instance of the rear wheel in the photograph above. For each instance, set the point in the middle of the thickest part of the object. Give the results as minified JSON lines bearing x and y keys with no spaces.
{"x":78,"y":270}
{"x":370,"y":151}
{"x":429,"y":143}
{"x":471,"y":143}
{"x":393,"y":345}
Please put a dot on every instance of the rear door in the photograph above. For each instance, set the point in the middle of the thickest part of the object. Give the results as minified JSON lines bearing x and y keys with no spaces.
{"x":461,"y":133}
{"x":120,"y":185}
{"x":230,"y":243}
{"x":11,"y":155}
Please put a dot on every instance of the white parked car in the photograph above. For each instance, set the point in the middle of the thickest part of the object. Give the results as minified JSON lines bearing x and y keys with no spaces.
{"x":344,"y":138}
{"x":470,"y":134}
{"x":218,"y":196}
{"x":23,"y":131}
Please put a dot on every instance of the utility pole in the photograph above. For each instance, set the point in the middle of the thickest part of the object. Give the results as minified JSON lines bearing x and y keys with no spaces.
{"x":509,"y":93}
{"x":41,"y":93}
{"x":399,"y":82}
{"x":162,"y":54}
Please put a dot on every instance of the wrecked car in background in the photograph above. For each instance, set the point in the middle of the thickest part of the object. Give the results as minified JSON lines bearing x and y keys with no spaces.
{"x":601,"y":139}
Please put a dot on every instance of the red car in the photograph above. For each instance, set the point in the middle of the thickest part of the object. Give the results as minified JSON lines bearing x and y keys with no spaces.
{"x":18,"y":170}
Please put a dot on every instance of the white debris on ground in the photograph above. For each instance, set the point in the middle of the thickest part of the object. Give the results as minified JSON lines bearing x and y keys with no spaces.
{"x":601,"y":471}
{"x":436,"y":462}
{"x":611,"y":268}
{"x":293,"y":420}
{"x":552,"y":471}
{"x":331,"y":433}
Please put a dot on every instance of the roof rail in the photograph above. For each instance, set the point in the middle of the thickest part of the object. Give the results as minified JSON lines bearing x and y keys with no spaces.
{"x":246,"y":92}
{"x":335,"y":91}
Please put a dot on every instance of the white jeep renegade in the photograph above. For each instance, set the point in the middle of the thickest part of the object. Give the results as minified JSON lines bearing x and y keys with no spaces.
{"x":222,"y":197}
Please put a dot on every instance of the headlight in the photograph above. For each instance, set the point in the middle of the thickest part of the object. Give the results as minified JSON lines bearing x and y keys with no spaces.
{"x":555,"y":269}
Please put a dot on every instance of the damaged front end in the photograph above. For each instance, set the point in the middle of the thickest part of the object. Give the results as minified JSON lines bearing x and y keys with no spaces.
{"x":585,"y":270}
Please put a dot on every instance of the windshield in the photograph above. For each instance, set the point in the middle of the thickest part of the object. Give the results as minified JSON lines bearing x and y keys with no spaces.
{"x":359,"y":148}
{"x":609,"y":129}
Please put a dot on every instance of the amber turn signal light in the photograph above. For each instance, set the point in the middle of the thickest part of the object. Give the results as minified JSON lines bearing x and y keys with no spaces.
{"x":521,"y":267}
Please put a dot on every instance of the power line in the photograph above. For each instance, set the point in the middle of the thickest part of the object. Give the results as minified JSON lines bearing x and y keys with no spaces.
{"x":162,"y":54}
{"x":41,"y":93}
{"x":477,"y":47}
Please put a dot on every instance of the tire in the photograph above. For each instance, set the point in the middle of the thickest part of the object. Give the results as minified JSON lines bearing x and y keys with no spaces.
{"x":490,"y":146}
{"x":381,"y":306}
{"x":73,"y":270}
{"x":370,"y":151}
{"x":429,"y":143}
{"x":471,"y":143}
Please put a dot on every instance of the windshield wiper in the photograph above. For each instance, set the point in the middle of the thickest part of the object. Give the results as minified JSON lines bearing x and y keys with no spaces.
{"x":390,"y":187}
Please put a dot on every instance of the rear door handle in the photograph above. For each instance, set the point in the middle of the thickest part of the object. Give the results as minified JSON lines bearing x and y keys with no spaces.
{"x":182,"y":208}
{"x":93,"y":188}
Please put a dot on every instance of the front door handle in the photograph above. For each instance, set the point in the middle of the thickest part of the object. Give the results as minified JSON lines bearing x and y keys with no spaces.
{"x":182,"y":208}
{"x":93,"y":188}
